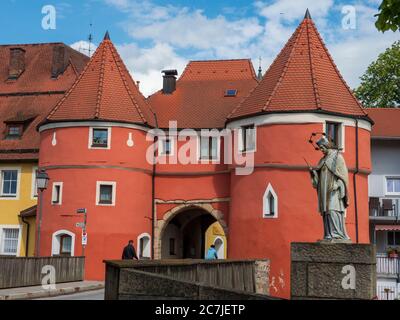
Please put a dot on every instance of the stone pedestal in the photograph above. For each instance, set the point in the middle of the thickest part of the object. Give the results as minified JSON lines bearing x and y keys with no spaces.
{"x":333,"y":271}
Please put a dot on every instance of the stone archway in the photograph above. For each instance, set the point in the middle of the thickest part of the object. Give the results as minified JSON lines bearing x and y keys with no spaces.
{"x":161,"y":224}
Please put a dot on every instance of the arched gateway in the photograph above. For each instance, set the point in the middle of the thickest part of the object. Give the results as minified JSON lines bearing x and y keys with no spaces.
{"x":181,"y":233}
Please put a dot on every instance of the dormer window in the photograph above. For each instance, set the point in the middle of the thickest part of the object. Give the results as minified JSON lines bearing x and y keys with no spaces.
{"x":231,"y":93}
{"x":99,"y":138}
{"x":14,"y":131}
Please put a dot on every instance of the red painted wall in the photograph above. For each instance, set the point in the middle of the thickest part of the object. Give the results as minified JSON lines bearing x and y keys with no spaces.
{"x":109,"y":227}
{"x":252,"y":236}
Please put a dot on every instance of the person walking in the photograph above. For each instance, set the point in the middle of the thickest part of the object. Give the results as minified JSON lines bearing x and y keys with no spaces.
{"x":212,"y":253}
{"x":129,"y":252}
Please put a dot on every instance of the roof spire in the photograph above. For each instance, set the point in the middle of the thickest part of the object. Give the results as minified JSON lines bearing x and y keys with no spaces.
{"x":107,"y":36}
{"x":259,"y":75}
{"x":307,"y":15}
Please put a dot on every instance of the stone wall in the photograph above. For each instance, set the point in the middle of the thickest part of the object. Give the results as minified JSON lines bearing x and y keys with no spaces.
{"x":333,"y":271}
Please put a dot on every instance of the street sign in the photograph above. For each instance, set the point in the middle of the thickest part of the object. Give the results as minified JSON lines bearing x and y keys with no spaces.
{"x":80,"y":225}
{"x":84,"y":238}
{"x":82,"y":210}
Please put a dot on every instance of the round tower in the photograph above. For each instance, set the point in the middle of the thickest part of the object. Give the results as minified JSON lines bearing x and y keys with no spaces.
{"x":302,"y":93}
{"x":93,"y":147}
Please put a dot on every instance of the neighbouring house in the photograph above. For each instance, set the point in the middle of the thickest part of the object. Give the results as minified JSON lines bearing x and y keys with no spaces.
{"x":33,"y":78}
{"x":384,"y":199}
{"x":98,"y":142}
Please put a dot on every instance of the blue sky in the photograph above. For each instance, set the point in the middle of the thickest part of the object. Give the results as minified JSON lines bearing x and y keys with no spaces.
{"x":155,"y":34}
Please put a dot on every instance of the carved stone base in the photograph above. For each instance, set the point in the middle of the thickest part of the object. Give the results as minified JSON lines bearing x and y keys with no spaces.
{"x":333,"y":271}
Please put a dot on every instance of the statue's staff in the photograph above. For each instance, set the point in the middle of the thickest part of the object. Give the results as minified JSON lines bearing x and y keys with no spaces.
{"x":312,"y":173}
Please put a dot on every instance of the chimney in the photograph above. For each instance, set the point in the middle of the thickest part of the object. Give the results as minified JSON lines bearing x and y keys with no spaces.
{"x":60,"y":60}
{"x":169,"y":83}
{"x":17,"y":63}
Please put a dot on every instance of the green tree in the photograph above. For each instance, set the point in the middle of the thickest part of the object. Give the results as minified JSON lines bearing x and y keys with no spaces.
{"x":380,"y":85}
{"x":388,"y":16}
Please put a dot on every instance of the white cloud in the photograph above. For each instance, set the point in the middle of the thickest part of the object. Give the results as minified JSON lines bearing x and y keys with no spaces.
{"x":178,"y":34}
{"x":145,"y":64}
{"x":83,"y":47}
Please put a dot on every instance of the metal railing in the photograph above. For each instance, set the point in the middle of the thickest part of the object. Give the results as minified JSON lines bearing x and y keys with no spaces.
{"x":380,"y":210}
{"x":387,"y":266}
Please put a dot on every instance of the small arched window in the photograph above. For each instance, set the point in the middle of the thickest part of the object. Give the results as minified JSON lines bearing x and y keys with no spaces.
{"x":63,"y":243}
{"x":270,"y":203}
{"x":144,"y":246}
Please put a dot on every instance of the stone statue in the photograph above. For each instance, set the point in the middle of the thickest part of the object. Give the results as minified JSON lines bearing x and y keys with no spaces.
{"x":330,"y":178}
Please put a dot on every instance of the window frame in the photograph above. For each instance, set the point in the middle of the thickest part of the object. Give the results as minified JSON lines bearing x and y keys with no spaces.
{"x":145,"y":249}
{"x":234,"y":95}
{"x":34,"y":190}
{"x":389,"y":193}
{"x":10,"y":226}
{"x":243,"y":138}
{"x":56,"y":244}
{"x":62,"y":237}
{"x":7,"y":196}
{"x":340,"y":132}
{"x":393,"y":233}
{"x":99,"y":147}
{"x":9,"y":136}
{"x":161,"y":146}
{"x":113,"y":193}
{"x":53,"y":190}
{"x":267,"y":205}
{"x":209,"y":159}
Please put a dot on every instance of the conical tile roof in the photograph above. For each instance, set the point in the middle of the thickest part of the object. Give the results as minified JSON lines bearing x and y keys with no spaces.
{"x":104,"y":91}
{"x":303,"y":77}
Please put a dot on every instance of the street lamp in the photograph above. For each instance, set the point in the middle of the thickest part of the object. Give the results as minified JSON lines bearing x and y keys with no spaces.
{"x":42,"y":180}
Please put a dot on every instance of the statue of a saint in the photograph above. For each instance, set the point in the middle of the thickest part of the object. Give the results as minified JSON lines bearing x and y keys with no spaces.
{"x":330,"y":178}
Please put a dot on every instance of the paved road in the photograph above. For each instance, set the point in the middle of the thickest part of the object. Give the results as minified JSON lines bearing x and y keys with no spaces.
{"x":88,"y":295}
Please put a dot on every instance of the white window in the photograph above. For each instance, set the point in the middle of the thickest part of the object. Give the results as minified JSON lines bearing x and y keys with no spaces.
{"x":335,"y":133}
{"x":105,"y":193}
{"x":63,"y":243}
{"x":56,"y":196}
{"x":10,"y":241}
{"x":34,"y":185}
{"x":247,"y":139}
{"x":10,"y":182}
{"x":99,"y":138}
{"x":166,"y":146}
{"x":270,"y":203}
{"x":209,"y":148}
{"x":393,"y":185}
{"x":144,"y":246}
{"x":393,"y":238}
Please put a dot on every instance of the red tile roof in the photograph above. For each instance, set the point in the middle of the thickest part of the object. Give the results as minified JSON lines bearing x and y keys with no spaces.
{"x":303,"y":77}
{"x":104,"y":91}
{"x":38,"y":66}
{"x":199,"y":100}
{"x":387,"y":122}
{"x":29,"y":98}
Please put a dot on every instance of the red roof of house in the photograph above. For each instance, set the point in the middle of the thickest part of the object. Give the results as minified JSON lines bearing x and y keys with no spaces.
{"x":199,"y":100}
{"x":387,"y":122}
{"x":28,"y":99}
{"x":303,"y":77}
{"x":104,"y":91}
{"x":38,"y":67}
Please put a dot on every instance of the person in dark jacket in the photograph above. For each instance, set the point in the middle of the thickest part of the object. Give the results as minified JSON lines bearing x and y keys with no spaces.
{"x":129,"y":252}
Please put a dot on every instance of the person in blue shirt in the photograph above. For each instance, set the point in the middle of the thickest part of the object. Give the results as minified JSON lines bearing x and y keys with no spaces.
{"x":212,"y":253}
